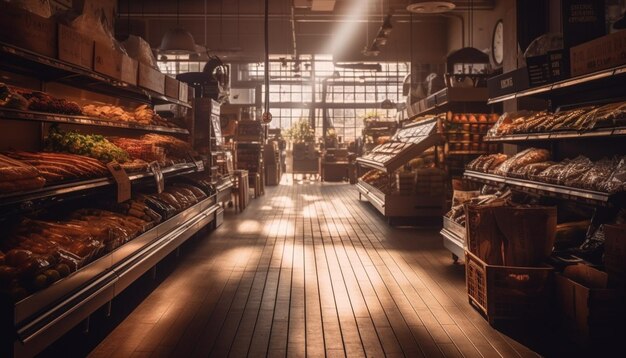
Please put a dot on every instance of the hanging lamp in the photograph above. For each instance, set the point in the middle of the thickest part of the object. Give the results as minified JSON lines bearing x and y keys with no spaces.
{"x":430,"y":7}
{"x":386,"y":27}
{"x":177,"y":41}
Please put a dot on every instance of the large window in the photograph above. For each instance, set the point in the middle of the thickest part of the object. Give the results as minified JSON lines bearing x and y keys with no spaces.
{"x":299,"y":89}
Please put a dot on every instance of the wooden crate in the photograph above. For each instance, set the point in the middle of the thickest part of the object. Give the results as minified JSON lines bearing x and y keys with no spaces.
{"x":507,"y":293}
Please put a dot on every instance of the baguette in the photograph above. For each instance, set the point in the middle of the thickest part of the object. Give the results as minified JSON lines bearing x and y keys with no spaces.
{"x":17,"y":173}
{"x":51,"y":177}
{"x":8,"y":161}
{"x":22,"y":184}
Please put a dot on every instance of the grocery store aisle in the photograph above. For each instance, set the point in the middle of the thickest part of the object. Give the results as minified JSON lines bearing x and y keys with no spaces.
{"x":308,"y":270}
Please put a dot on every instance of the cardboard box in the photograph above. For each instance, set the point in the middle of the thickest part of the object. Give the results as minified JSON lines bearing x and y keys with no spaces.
{"x":507,"y":83}
{"x":590,"y":310}
{"x":151,"y":79}
{"x":107,"y":61}
{"x":129,"y":70}
{"x":75,"y":48}
{"x":171,"y":87}
{"x":599,"y":54}
{"x":28,"y":31}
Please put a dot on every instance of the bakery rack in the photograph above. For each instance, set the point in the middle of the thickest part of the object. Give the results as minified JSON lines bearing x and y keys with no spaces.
{"x":406,"y":144}
{"x":44,"y":316}
{"x":14,"y":114}
{"x":595,"y":81}
{"x":48,"y":69}
{"x":15,"y":203}
{"x":543,"y":189}
{"x":453,"y":99}
{"x":36,"y":321}
{"x":560,"y":135}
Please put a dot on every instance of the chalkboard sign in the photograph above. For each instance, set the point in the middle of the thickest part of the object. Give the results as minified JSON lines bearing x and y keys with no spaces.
{"x":583,"y":20}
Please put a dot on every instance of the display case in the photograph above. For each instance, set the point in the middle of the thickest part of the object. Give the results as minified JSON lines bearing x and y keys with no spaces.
{"x":249,"y":152}
{"x":337,"y":165}
{"x":376,"y":132}
{"x":305,"y":159}
{"x":384,"y":187}
{"x":581,"y":130}
{"x":61,"y":124}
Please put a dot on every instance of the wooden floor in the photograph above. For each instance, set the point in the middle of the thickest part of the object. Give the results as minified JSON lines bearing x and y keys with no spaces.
{"x":309,"y":270}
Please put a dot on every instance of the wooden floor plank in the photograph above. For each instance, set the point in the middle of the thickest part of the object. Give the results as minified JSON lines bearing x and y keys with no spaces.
{"x":309,"y":271}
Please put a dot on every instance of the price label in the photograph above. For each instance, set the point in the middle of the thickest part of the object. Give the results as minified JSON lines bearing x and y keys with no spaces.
{"x":155,"y":168}
{"x":121,"y":180}
{"x":199,"y":165}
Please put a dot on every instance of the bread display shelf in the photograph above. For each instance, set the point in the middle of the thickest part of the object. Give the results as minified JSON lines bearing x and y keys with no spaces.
{"x":19,"y":60}
{"x":398,"y":205}
{"x":466,"y":152}
{"x":83,"y":120}
{"x":44,"y":316}
{"x":453,"y":237}
{"x":597,"y":133}
{"x":411,"y":140}
{"x":224,"y":190}
{"x":544,"y":189}
{"x":456,"y":99}
{"x":575,"y":84}
{"x":22,"y":201}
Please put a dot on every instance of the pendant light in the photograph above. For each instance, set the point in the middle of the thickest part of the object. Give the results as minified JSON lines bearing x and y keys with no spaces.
{"x":430,"y":7}
{"x":386,"y":27}
{"x":177,"y":41}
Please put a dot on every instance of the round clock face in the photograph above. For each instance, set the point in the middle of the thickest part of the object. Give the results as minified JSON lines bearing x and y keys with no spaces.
{"x":497,"y":43}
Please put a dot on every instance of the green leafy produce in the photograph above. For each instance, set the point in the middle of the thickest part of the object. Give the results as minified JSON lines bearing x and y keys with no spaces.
{"x":301,"y":132}
{"x":91,"y":145}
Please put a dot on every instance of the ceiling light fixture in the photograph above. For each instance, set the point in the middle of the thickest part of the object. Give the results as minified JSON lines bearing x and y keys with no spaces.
{"x":381,"y":38}
{"x":373,"y":50}
{"x":430,"y":7}
{"x":177,"y":41}
{"x":387,"y":27}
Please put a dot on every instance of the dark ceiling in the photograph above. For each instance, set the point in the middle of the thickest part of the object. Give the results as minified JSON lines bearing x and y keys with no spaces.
{"x":227,"y":25}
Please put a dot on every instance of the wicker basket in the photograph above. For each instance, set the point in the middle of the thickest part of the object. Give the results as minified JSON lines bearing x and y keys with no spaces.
{"x":507,"y":293}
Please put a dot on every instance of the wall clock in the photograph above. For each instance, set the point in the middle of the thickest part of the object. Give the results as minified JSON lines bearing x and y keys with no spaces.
{"x":497,"y":43}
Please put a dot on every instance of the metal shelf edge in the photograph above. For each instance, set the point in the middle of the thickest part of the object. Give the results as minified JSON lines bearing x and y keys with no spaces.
{"x":13,"y":114}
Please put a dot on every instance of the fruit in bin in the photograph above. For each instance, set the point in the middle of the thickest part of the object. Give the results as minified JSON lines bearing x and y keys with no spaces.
{"x":40,"y":281}
{"x":472,"y":118}
{"x":52,"y":275}
{"x":16,"y":257}
{"x":32,"y":265}
{"x":463,"y":118}
{"x":8,"y":273}
{"x":63,"y":270}
{"x":482,"y":118}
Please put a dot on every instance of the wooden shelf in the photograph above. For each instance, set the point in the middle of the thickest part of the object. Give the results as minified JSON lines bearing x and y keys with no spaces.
{"x":448,"y":98}
{"x":23,"y":201}
{"x":543,"y":189}
{"x":396,"y":205}
{"x":573,"y":84}
{"x":84,"y":120}
{"x":596,"y":133}
{"x":51,"y":69}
